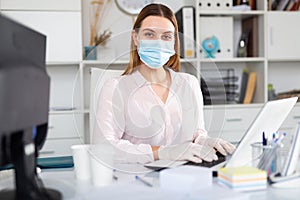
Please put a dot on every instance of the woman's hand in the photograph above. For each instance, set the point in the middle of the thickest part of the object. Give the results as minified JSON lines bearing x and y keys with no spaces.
{"x":219,"y":144}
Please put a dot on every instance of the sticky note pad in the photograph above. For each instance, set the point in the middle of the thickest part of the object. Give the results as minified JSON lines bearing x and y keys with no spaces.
{"x":243,"y":178}
{"x":185,"y":178}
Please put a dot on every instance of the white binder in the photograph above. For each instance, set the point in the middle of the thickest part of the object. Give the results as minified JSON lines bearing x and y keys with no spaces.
{"x":222,"y":28}
{"x":215,"y":4}
{"x":188,"y":32}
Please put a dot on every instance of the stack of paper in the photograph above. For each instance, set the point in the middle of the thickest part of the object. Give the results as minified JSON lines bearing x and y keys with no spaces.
{"x":243,"y":178}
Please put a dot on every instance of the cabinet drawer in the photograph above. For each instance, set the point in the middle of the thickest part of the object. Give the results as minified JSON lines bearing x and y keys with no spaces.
{"x":58,"y":147}
{"x":233,"y":119}
{"x":231,"y":136}
{"x":65,"y":126}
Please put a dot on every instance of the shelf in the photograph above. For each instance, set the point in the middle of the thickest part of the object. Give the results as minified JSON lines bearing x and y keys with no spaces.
{"x":182,"y":60}
{"x":64,"y":63}
{"x":229,"y":60}
{"x":125,"y":62}
{"x":280,"y":11}
{"x":86,"y":111}
{"x":99,"y":62}
{"x":228,"y":106}
{"x":284,"y":60}
{"x":234,"y":13}
{"x":65,"y":112}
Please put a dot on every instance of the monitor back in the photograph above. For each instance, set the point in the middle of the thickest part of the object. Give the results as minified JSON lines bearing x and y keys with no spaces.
{"x":24,"y":83}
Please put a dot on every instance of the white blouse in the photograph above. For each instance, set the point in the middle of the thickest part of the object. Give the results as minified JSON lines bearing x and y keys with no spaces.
{"x":133,"y":118}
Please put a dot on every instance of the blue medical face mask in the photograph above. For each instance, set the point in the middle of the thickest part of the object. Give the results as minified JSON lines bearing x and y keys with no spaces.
{"x":155,"y":53}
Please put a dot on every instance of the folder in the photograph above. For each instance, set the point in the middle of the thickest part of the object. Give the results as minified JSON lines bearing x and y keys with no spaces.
{"x":55,"y":162}
{"x":186,"y":27}
{"x":250,"y":88}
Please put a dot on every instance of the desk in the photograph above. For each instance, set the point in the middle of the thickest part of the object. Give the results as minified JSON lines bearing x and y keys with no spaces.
{"x":126,"y":187}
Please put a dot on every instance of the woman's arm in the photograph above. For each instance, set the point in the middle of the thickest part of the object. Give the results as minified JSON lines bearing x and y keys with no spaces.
{"x":155,"y":152}
{"x":200,"y":127}
{"x":110,"y":126}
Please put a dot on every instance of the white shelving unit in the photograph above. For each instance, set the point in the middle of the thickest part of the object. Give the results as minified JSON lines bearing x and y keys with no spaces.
{"x":277,"y":63}
{"x":70,"y":75}
{"x":61,"y":22}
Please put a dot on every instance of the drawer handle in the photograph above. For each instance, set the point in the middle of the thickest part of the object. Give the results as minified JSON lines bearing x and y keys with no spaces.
{"x":50,"y":127}
{"x":47,"y":152}
{"x":296,"y":117}
{"x":234,"y":120}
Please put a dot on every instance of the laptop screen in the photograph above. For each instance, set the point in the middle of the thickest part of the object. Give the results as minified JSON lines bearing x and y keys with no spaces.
{"x":269,"y":121}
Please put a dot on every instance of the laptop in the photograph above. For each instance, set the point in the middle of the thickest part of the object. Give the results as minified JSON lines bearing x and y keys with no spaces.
{"x":268,"y":120}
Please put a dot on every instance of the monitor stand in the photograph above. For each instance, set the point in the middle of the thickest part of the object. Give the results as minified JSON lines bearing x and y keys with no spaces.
{"x":29,"y":186}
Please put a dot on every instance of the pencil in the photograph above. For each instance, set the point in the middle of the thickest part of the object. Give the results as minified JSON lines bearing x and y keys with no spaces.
{"x":143,"y":181}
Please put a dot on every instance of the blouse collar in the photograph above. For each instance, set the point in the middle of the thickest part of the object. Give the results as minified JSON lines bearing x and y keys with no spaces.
{"x":140,"y":80}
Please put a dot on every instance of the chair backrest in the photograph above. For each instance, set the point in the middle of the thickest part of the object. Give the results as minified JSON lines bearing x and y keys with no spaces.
{"x":98,"y":78}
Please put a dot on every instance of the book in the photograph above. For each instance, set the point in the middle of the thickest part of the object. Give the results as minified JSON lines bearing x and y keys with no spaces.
{"x":290,"y":5}
{"x":296,"y":6}
{"x":252,"y":4}
{"x":250,"y":26}
{"x":185,"y":17}
{"x":251,"y":84}
{"x":243,"y":86}
{"x":282,"y":5}
{"x":273,"y":4}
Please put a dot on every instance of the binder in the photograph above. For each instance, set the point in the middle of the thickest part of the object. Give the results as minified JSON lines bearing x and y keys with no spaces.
{"x":215,"y":4}
{"x":250,"y":26}
{"x":244,"y":82}
{"x":186,"y":27}
{"x":222,"y":29}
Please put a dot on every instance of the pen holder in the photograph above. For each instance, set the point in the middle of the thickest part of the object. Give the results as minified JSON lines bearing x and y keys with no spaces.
{"x":267,"y":157}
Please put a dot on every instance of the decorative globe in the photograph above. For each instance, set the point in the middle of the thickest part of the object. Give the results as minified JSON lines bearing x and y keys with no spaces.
{"x":211,"y":45}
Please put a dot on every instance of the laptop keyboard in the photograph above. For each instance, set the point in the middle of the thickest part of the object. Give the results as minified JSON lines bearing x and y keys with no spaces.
{"x":221,"y":158}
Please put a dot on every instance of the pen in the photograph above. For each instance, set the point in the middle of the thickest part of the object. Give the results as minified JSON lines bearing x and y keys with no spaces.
{"x":278,"y":140}
{"x":264,"y":139}
{"x":143,"y":181}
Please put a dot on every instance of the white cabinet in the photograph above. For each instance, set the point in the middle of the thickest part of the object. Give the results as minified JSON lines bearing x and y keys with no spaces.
{"x":229,"y":123}
{"x":60,"y":21}
{"x":64,"y":130}
{"x":65,"y":126}
{"x":63,"y":31}
{"x":283,"y":35}
{"x":59,"y":147}
{"x":64,"y":86}
{"x":55,"y":5}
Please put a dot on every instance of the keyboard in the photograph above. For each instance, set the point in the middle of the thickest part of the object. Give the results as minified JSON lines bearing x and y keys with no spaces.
{"x":221,"y":158}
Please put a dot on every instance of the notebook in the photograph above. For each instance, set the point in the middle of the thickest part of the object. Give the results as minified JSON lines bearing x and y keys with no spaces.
{"x":268,"y":120}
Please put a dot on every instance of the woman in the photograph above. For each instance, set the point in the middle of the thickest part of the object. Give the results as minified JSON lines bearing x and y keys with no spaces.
{"x":153,"y":111}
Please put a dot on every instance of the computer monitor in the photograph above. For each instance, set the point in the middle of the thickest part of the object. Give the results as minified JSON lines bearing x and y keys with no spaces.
{"x":24,"y":106}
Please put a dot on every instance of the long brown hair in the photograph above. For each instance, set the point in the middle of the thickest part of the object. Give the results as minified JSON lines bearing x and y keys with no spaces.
{"x":154,"y":10}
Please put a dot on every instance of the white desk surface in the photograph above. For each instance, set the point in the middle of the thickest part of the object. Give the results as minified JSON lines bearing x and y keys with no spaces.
{"x":126,"y":187}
